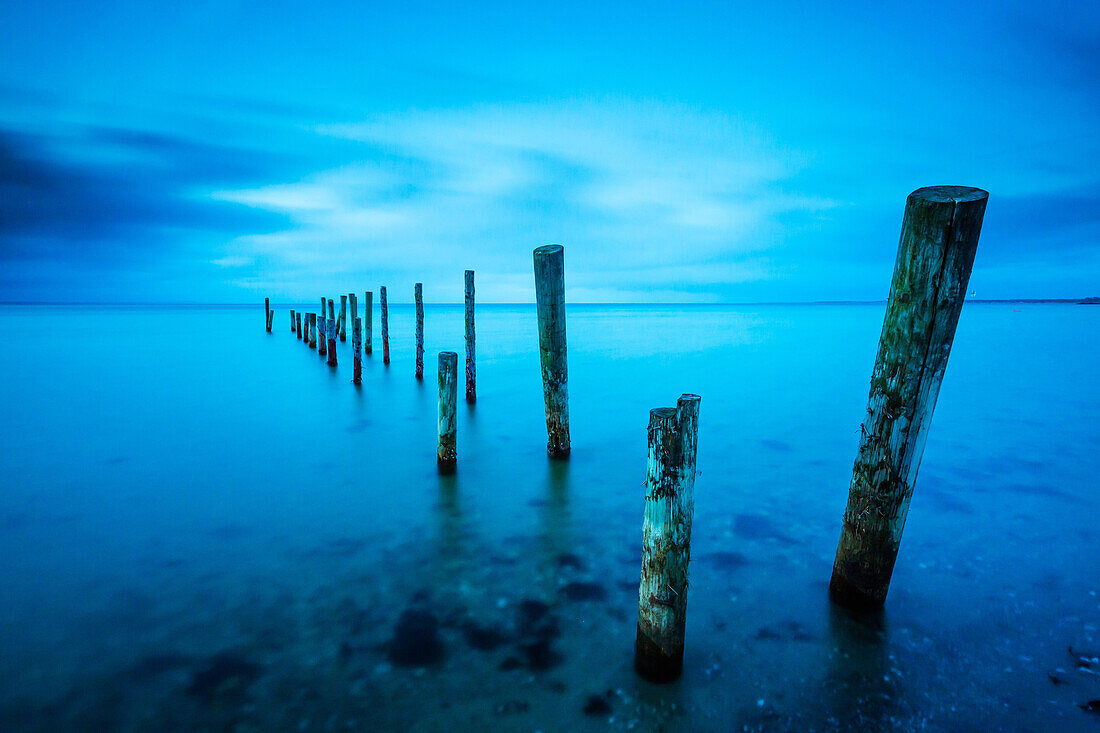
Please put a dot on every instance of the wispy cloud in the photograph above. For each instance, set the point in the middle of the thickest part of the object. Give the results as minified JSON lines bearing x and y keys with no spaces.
{"x":643,"y":195}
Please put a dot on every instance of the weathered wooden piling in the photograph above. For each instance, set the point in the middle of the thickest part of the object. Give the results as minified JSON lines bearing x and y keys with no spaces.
{"x":550,"y":300}
{"x":331,"y":315}
{"x":446,"y":450}
{"x":292,"y":320}
{"x":322,"y":336}
{"x":267,"y":313}
{"x":368,"y":316}
{"x":311,"y":329}
{"x":343,"y":325}
{"x":299,"y":326}
{"x":357,"y":358}
{"x":666,"y":540}
{"x":270,"y":319}
{"x":353,"y":307}
{"x":385,"y":324}
{"x":939,"y":236}
{"x":331,"y":328}
{"x":418,"y":297}
{"x":471,"y":371}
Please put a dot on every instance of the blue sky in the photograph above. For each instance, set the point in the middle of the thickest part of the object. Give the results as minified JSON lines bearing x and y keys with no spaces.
{"x":227,"y":151}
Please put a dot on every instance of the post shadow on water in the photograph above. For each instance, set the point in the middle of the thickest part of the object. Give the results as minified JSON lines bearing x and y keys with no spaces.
{"x":860,"y":689}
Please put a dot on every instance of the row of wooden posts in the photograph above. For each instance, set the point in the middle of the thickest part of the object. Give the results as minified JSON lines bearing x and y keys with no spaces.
{"x":939,"y":237}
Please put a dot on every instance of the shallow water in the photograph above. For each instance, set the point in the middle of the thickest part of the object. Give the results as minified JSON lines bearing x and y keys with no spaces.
{"x":206,"y":526}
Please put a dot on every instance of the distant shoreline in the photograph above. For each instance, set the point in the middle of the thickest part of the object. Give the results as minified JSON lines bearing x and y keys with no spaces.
{"x":255,"y":304}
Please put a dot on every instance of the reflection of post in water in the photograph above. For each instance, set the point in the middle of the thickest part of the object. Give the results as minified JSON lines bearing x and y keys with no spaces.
{"x":453,"y":556}
{"x":554,"y":518}
{"x":861,"y":690}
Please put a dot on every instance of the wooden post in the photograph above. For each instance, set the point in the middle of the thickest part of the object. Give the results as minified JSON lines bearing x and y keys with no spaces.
{"x":471,"y":379}
{"x":356,"y":335}
{"x":446,"y":450}
{"x":267,"y":313}
{"x":418,"y":296}
{"x":385,"y":325}
{"x":331,"y":328}
{"x":368,"y":314}
{"x":939,"y":235}
{"x":292,"y":319}
{"x":353,"y":307}
{"x":309,"y":337}
{"x":666,"y":540}
{"x":322,"y":337}
{"x":550,"y":299}
{"x":332,"y":316}
{"x":299,"y":326}
{"x":343,"y":327}
{"x":270,"y":318}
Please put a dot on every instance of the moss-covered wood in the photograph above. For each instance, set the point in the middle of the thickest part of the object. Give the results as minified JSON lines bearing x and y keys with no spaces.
{"x":342,"y":324}
{"x":447,"y":447}
{"x":385,"y":324}
{"x":550,"y":302}
{"x":666,"y":540}
{"x":368,"y":320}
{"x":418,"y":297}
{"x":471,"y":371}
{"x":332,"y":329}
{"x":939,"y":237}
{"x":356,"y":342}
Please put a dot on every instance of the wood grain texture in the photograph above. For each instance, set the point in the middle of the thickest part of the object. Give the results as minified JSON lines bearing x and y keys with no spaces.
{"x":368,"y":320}
{"x":939,"y":238}
{"x":342,"y":326}
{"x":471,"y":370}
{"x":550,"y":301}
{"x":447,"y":447}
{"x":385,"y":324}
{"x":418,"y":297}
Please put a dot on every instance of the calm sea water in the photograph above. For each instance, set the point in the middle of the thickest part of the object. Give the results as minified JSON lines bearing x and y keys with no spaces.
{"x":203,"y":525}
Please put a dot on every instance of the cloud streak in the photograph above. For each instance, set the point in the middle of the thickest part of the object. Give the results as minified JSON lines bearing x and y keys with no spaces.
{"x":642,"y":194}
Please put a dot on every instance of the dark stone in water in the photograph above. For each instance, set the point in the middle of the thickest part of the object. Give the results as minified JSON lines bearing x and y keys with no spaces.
{"x":583,"y":591}
{"x":225,"y":675}
{"x":597,"y":705}
{"x":1092,"y":706}
{"x":725,"y":560}
{"x":786,"y":631}
{"x":159,"y":664}
{"x":484,"y":638}
{"x":540,"y":655}
{"x":759,"y":527}
{"x":415,"y":641}
{"x":531,"y":611}
{"x":570,"y":560}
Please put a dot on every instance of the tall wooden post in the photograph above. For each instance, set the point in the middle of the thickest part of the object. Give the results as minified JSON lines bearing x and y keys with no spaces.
{"x":267,"y":313}
{"x":331,"y":328}
{"x":353,"y":307}
{"x":471,"y":388}
{"x":666,"y":540}
{"x":385,"y":324}
{"x":343,"y":325}
{"x":322,"y":337}
{"x":332,"y":315}
{"x":311,"y":330}
{"x":446,"y":449}
{"x":550,"y":300}
{"x":270,"y":319}
{"x":292,"y":320}
{"x":939,"y":236}
{"x":368,"y":315}
{"x":299,"y":326}
{"x":357,"y":358}
{"x":418,"y":296}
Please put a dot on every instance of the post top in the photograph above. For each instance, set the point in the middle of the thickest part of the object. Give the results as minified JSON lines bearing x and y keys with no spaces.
{"x":448,"y":355}
{"x":688,"y":397}
{"x":666,"y":413}
{"x":548,"y":249}
{"x":943,"y":194}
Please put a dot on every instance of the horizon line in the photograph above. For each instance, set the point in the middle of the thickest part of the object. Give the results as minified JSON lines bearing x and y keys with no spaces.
{"x":250,"y":304}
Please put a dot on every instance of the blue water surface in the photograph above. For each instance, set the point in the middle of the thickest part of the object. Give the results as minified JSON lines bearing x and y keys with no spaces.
{"x":206,"y":527}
